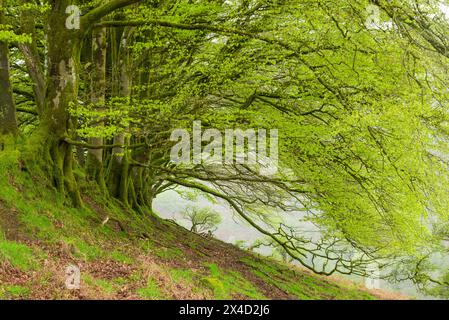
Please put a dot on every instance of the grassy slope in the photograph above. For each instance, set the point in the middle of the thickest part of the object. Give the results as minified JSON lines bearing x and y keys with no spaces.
{"x":138,"y":258}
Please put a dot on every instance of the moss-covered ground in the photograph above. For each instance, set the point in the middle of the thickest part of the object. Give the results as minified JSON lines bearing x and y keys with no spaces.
{"x":131,"y":256}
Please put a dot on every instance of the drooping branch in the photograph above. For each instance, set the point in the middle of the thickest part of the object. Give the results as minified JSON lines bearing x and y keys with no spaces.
{"x":98,"y":13}
{"x":105,"y":146}
{"x":419,"y":22}
{"x":287,"y":241}
{"x":302,"y":48}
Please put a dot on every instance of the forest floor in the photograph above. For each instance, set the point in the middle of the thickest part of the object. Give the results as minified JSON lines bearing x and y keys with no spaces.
{"x":131,"y":256}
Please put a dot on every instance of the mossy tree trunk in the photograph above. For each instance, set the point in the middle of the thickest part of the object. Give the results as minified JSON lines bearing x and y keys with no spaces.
{"x":119,"y":167}
{"x":49,"y":150}
{"x":94,"y":163}
{"x":61,"y":95}
{"x":8,"y":121}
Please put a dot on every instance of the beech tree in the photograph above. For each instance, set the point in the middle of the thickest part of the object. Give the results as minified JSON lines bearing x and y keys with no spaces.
{"x":202,"y":219}
{"x":8,"y":122}
{"x":360,"y":109}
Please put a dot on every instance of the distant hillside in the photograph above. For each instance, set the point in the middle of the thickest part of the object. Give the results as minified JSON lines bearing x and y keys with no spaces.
{"x":125,"y":255}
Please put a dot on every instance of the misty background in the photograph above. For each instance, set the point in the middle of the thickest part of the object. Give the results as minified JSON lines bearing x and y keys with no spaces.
{"x":232,"y":229}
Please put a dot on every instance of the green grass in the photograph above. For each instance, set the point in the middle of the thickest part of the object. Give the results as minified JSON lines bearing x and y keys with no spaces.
{"x":169,"y":253}
{"x":14,"y":292}
{"x":194,"y":280}
{"x":120,"y":257}
{"x":39,"y":225}
{"x":304,"y":286}
{"x":104,"y":285}
{"x":87,"y":251}
{"x":151,"y":291}
{"x":43,"y":214}
{"x":183,"y":275}
{"x":18,"y":255}
{"x":227,"y":284}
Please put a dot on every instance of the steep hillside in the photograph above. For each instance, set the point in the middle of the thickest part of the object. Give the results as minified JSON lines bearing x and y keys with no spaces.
{"x":125,"y":255}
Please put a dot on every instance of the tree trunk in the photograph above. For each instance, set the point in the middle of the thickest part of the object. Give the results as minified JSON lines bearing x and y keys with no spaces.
{"x":61,"y":95}
{"x":119,"y":167}
{"x":8,"y":121}
{"x":98,"y":90}
{"x":31,"y":56}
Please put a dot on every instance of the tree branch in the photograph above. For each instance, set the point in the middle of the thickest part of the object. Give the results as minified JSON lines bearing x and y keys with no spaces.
{"x":290,"y":248}
{"x":303,"y":48}
{"x":107,"y":146}
{"x":98,"y":13}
